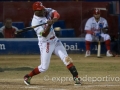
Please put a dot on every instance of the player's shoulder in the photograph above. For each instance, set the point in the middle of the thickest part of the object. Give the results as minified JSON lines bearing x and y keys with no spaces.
{"x":90,"y":19}
{"x":49,"y":9}
{"x":36,"y":18}
{"x":15,"y":28}
{"x":102,"y":18}
{"x":1,"y":28}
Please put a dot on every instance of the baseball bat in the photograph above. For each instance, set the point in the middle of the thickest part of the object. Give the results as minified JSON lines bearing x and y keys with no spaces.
{"x":99,"y":49}
{"x":28,"y":28}
{"x":99,"y":43}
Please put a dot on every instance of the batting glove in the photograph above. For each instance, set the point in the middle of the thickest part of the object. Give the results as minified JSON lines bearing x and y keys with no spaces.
{"x":97,"y":34}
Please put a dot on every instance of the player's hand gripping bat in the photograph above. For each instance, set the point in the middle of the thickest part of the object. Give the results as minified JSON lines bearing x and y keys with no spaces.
{"x":28,"y":28}
{"x":99,"y":43}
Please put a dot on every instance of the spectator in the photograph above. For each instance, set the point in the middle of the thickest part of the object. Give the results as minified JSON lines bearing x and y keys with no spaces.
{"x":92,"y":29}
{"x":8,"y":30}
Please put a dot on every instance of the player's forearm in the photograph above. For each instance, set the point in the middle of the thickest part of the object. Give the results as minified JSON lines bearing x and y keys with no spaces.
{"x":46,"y":31}
{"x":55,"y":16}
{"x":105,"y":30}
{"x":55,"y":20}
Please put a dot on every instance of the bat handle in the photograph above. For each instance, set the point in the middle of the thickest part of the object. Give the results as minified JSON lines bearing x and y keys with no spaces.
{"x":16,"y":32}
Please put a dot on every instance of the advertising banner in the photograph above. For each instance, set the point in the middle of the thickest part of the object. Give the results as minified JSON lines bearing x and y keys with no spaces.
{"x":30,"y":46}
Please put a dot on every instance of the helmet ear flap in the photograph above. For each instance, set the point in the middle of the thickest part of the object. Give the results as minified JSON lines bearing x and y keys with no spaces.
{"x":38,"y":6}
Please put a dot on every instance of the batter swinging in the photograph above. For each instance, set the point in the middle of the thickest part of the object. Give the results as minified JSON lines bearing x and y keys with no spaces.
{"x":48,"y":42}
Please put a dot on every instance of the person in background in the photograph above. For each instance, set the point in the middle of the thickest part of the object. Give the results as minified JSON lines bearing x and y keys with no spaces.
{"x":8,"y":31}
{"x":93,"y":32}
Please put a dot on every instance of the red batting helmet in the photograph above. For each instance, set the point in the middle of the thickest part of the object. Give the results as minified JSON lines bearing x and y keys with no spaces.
{"x":38,"y":6}
{"x":96,"y":11}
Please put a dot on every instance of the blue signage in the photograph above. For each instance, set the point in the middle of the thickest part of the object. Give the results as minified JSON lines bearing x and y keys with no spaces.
{"x":30,"y":46}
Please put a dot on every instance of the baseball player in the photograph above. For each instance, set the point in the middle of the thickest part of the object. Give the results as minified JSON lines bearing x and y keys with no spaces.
{"x":48,"y":42}
{"x":92,"y":29}
{"x":8,"y":30}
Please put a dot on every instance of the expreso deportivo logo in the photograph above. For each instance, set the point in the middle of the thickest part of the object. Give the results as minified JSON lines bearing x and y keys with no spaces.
{"x":58,"y":79}
{"x":100,"y":79}
{"x":83,"y":79}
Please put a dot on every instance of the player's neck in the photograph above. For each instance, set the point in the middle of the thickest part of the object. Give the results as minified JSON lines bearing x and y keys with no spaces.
{"x":97,"y":19}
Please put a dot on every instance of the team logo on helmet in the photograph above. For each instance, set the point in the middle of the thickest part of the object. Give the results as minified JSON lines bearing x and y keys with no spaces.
{"x":38,"y":6}
{"x":96,"y":11}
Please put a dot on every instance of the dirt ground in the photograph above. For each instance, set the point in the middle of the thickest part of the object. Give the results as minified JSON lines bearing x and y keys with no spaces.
{"x":95,"y":73}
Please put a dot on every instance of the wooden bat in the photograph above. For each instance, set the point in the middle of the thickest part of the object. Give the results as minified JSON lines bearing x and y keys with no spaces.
{"x":99,"y":49}
{"x":99,"y":43}
{"x":28,"y":28}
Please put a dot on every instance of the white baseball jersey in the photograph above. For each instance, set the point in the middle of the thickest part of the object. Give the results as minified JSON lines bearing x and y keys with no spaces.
{"x":91,"y":24}
{"x":3,"y":27}
{"x":46,"y":44}
{"x":40,"y":20}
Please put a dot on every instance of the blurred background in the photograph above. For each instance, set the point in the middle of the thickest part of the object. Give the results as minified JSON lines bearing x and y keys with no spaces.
{"x":74,"y":14}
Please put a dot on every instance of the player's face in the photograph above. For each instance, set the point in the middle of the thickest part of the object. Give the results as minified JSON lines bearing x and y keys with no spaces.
{"x":8,"y":23}
{"x":97,"y":16}
{"x":40,"y":13}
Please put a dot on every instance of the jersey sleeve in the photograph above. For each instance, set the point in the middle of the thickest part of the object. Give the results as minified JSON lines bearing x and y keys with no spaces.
{"x":1,"y":29}
{"x":52,"y":13}
{"x":15,"y":28}
{"x":88,"y":25}
{"x":105,"y":23}
{"x":55,"y":14}
{"x":39,"y":29}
